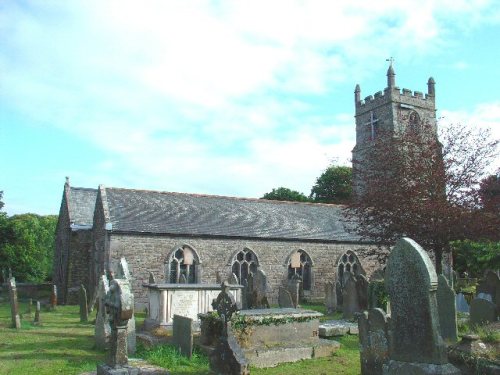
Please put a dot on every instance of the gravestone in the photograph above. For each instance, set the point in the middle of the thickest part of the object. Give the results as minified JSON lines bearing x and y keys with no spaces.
{"x":37,"y":321}
{"x":183,"y":335}
{"x":233,"y":280}
{"x":84,"y":312}
{"x":350,"y":297}
{"x":362,"y":290}
{"x":374,"y":341}
{"x":293,"y":287}
{"x":330,"y":297}
{"x":259,"y":290}
{"x":53,"y":297}
{"x":227,"y":358}
{"x":14,"y":305}
{"x":415,"y":343}
{"x":461,"y":303}
{"x":338,"y":292}
{"x":447,"y":310}
{"x":123,"y":273}
{"x":152,"y":279}
{"x":482,"y":311}
{"x":102,"y":332}
{"x":490,"y":285}
{"x":284,"y":298}
{"x":119,"y":302}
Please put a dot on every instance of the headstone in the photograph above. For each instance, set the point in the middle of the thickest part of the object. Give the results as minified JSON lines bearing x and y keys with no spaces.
{"x":374,"y":342}
{"x":53,"y":297}
{"x":350,"y":297}
{"x":447,"y":310}
{"x":183,"y":335}
{"x":227,"y":358}
{"x":284,"y":298}
{"x":293,"y":287}
{"x":416,"y":346}
{"x":182,"y":279}
{"x":233,"y":280}
{"x":482,"y":311}
{"x":102,"y":332}
{"x":84,"y":312}
{"x":120,"y":305}
{"x":330,"y":297}
{"x":37,"y":321}
{"x":490,"y":285}
{"x":14,"y":305}
{"x":152,"y":279}
{"x":362,"y":290}
{"x":259,"y":290}
{"x":461,"y":303}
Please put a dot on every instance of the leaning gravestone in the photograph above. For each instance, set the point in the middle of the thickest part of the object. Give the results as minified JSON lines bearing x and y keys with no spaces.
{"x":482,"y":311}
{"x":330,"y":297}
{"x":284,"y":298}
{"x":362,"y":290}
{"x":350,"y":297}
{"x":37,"y":321}
{"x":183,"y":335}
{"x":84,"y":312}
{"x":416,"y":346}
{"x":14,"y":305}
{"x":447,"y":310}
{"x":374,"y":342}
{"x":102,"y":331}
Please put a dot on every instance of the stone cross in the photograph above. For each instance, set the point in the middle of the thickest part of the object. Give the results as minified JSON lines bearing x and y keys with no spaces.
{"x":102,"y":332}
{"x":84,"y":311}
{"x":53,"y":297}
{"x":225,"y":306}
{"x":415,"y":342}
{"x":14,"y":305}
{"x":37,"y":321}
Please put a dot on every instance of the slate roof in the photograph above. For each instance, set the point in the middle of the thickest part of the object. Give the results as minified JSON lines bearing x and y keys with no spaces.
{"x":209,"y":215}
{"x":81,"y":205}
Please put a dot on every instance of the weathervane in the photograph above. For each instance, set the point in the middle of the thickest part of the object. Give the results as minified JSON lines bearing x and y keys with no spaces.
{"x":391,"y":59}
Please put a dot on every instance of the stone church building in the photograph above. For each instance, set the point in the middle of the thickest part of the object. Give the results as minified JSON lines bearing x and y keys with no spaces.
{"x":206,"y":238}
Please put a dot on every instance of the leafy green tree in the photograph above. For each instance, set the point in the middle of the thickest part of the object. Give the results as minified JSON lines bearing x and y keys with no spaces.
{"x":285,"y":194}
{"x":475,"y":257}
{"x":28,"y":247}
{"x":1,"y":200}
{"x":333,"y":186}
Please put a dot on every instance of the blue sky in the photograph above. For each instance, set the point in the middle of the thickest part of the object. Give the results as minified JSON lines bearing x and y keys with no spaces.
{"x":220,"y":97}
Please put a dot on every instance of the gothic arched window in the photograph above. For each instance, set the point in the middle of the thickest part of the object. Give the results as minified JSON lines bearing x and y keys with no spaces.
{"x":414,"y":122}
{"x":348,"y":262}
{"x":182,"y":266}
{"x":244,"y":262}
{"x":300,"y":264}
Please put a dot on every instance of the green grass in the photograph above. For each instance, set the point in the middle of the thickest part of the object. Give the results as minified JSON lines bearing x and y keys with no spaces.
{"x":63,"y":345}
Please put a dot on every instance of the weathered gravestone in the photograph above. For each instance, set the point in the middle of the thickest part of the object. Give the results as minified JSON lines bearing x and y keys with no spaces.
{"x":183,"y":335}
{"x":284,"y":298}
{"x":294,"y":286}
{"x":53,"y":297}
{"x":227,"y":358}
{"x":84,"y":311}
{"x":447,"y":310}
{"x":123,"y":273}
{"x":257,"y":290}
{"x":374,"y":341}
{"x":37,"y":321}
{"x":120,"y":305}
{"x":482,"y":311}
{"x":102,"y":331}
{"x":14,"y":305}
{"x":415,"y":343}
{"x":350,"y":297}
{"x":152,"y":279}
{"x":362,"y":291}
{"x":330,"y":297}
{"x":461,"y":303}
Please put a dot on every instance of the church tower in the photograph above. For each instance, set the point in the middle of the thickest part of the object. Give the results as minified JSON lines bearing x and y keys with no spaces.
{"x":392,"y":111}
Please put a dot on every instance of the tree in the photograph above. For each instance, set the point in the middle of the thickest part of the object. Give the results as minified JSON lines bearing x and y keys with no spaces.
{"x":1,"y":200}
{"x":28,"y":247}
{"x":285,"y":194}
{"x":489,"y":192}
{"x":417,"y":187}
{"x":333,"y":186}
{"x":475,"y":257}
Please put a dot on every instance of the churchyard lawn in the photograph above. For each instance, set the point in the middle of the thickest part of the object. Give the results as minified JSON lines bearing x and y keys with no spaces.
{"x":63,"y":345}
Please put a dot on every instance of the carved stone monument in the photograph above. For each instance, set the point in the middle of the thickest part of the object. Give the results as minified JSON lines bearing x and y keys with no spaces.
{"x":416,"y":346}
{"x":123,"y":273}
{"x":14,"y":305}
{"x":102,"y":327}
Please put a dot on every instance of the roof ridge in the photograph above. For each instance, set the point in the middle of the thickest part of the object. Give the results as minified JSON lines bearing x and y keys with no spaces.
{"x":82,"y":188}
{"x":259,"y":200}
